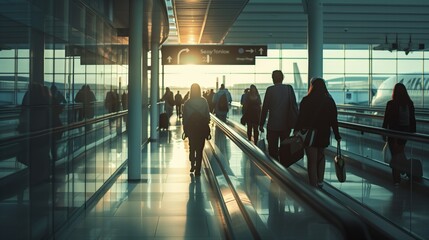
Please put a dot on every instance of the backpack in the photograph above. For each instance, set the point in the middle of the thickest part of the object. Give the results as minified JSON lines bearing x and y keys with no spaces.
{"x":222,"y":103}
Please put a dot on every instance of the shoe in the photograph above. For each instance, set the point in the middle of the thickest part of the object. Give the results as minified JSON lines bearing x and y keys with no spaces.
{"x":192,"y":169}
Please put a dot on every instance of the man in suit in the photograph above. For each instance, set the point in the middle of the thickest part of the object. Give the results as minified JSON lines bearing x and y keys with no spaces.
{"x":280,"y":103}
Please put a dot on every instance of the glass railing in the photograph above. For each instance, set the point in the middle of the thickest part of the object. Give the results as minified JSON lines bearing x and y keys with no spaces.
{"x":48,"y":176}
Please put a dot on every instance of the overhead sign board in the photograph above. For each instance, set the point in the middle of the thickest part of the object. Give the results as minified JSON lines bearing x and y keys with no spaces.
{"x":212,"y":54}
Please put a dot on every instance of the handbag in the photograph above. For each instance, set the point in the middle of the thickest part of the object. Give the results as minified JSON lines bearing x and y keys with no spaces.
{"x":261,"y":144}
{"x":340,"y":168}
{"x":387,"y":155}
{"x":291,"y":151}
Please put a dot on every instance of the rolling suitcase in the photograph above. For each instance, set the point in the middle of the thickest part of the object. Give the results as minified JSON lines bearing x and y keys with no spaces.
{"x":163,"y":121}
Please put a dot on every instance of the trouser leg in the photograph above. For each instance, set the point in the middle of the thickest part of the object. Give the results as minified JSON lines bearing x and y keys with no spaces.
{"x":311,"y":153}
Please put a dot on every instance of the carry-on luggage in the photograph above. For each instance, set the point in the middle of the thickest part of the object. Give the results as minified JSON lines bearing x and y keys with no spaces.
{"x":163,"y":121}
{"x":291,"y":151}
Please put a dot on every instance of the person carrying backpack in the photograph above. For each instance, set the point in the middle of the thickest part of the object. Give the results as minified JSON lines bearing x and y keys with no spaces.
{"x":196,"y":120}
{"x":221,"y":100}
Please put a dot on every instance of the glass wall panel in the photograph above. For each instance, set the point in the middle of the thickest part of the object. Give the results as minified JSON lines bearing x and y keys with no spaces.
{"x":75,"y":151}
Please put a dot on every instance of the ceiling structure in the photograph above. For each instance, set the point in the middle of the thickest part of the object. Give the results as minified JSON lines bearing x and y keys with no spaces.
{"x":384,"y":22}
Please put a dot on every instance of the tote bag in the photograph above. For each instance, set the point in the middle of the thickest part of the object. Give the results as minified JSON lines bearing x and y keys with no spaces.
{"x":340,"y":168}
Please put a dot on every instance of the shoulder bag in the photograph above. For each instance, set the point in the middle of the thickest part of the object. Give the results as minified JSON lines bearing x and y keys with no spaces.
{"x":340,"y":169}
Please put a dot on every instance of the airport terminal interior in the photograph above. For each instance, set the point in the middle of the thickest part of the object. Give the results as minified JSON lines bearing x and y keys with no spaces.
{"x":85,"y":152}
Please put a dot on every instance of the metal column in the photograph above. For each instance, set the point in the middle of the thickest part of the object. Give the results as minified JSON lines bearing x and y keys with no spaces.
{"x":135,"y":94}
{"x":315,"y":39}
{"x":154,"y":81}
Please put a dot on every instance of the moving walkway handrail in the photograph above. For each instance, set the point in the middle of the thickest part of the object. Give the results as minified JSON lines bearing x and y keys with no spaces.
{"x":68,"y":127}
{"x":419,"y":111}
{"x":367,"y":115}
{"x":419,"y":137}
{"x":350,"y":226}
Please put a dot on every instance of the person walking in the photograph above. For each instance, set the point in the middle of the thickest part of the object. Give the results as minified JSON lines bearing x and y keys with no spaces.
{"x":86,"y":97}
{"x":178,"y":102}
{"x":58,"y":103}
{"x":169,"y":102}
{"x":124,"y":101}
{"x":280,"y":104}
{"x":399,"y":116}
{"x":210,"y":100}
{"x":196,"y":118}
{"x":317,"y":111}
{"x":221,"y":100}
{"x":252,"y":113}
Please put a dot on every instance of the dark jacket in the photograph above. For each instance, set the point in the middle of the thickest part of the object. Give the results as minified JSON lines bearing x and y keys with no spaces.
{"x":276,"y":104}
{"x":252,"y":109}
{"x":318,"y":113}
{"x":200,"y":106}
{"x":391,"y":117}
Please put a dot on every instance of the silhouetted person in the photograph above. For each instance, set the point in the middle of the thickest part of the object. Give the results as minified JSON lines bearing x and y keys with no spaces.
{"x":243,"y":99}
{"x":112,"y":104}
{"x":318,"y":111}
{"x":279,"y":103}
{"x":210,"y":100}
{"x":35,"y":116}
{"x":186,"y":97}
{"x":178,"y":102}
{"x":168,"y":98}
{"x":252,"y":113}
{"x":221,"y":100}
{"x":399,"y":116}
{"x":124,"y":101}
{"x":86,"y":97}
{"x":196,"y":119}
{"x":58,"y":101}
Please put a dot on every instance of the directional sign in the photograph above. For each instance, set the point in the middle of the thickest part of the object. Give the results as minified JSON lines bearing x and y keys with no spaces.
{"x":211,"y":54}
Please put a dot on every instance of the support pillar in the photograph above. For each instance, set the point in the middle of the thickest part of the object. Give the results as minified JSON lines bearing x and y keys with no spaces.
{"x":134,"y":92}
{"x":154,"y":81}
{"x":37,"y":46}
{"x":315,"y":39}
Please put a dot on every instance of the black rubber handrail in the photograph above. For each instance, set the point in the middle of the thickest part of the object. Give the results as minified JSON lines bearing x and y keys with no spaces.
{"x":424,"y":138}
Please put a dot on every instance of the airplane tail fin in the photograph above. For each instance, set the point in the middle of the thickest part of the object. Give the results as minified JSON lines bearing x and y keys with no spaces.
{"x":298,"y":85}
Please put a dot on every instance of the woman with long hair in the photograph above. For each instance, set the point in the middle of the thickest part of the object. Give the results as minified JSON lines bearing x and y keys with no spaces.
{"x":196,"y":118}
{"x":399,"y":116}
{"x":318,"y":111}
{"x":252,"y":112}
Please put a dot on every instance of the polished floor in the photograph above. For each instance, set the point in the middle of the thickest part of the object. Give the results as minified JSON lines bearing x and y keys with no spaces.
{"x":168,"y":203}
